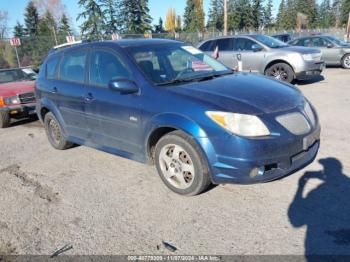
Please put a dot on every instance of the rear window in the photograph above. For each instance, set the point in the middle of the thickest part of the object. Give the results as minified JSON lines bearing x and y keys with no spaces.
{"x":51,"y":67}
{"x":207,"y":46}
{"x":73,"y":66}
{"x":225,"y":44}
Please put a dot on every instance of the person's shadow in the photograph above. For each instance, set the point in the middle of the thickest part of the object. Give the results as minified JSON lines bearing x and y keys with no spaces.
{"x":325,"y":211}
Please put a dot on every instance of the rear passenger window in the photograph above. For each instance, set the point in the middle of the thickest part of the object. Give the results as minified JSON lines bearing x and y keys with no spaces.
{"x":73,"y":66}
{"x":207,"y":46}
{"x":225,"y":44}
{"x":51,"y":67}
{"x":104,"y":66}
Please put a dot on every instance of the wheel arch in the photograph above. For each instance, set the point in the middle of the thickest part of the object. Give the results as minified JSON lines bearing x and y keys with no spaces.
{"x":276,"y":61}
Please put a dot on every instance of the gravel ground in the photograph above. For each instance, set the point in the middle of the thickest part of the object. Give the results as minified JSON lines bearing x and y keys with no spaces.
{"x":104,"y":204}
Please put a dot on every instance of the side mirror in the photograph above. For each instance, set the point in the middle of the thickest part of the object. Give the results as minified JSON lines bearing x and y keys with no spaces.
{"x":257,"y":48}
{"x":124,"y":86}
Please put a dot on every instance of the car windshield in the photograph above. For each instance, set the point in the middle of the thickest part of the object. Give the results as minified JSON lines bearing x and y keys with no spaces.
{"x":269,"y":41}
{"x":15,"y":75}
{"x":176,"y":63}
{"x":337,"y":41}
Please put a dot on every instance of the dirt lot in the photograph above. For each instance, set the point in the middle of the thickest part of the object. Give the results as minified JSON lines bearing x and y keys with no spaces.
{"x":103,"y":204}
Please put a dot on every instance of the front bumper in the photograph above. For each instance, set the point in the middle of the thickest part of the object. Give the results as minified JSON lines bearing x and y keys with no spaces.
{"x":270,"y":160}
{"x":310,"y":70}
{"x":18,"y":111}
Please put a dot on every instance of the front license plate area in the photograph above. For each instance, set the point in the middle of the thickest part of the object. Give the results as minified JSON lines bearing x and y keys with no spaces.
{"x":309,"y":140}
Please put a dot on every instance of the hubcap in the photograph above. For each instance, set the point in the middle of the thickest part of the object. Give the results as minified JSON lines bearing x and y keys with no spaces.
{"x":55,"y":132}
{"x":177,"y":166}
{"x":347,"y":61}
{"x":279,"y":73}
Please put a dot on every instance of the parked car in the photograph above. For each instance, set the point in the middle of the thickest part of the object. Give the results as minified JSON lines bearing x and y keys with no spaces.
{"x":17,"y":98}
{"x":164,"y":102}
{"x":334,"y":51}
{"x":283,"y":37}
{"x":266,"y":55}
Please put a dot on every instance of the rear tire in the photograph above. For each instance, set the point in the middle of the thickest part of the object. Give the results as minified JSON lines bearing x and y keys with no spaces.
{"x":181,"y":164}
{"x":4,"y":119}
{"x":54,"y":133}
{"x":345,"y":62}
{"x":280,"y":71}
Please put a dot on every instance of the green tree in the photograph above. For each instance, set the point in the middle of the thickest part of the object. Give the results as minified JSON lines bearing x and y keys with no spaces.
{"x":31,"y":19}
{"x":345,"y":10}
{"x":268,"y":19}
{"x":111,"y":16}
{"x":257,"y":14}
{"x":19,"y":30}
{"x":194,"y":16}
{"x":326,"y":15}
{"x":216,"y":15}
{"x":64,"y":29}
{"x":159,"y":28}
{"x":134,"y":17}
{"x":94,"y":23}
{"x":308,"y":8}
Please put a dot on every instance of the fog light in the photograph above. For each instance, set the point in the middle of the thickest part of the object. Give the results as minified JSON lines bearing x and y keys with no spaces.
{"x":258,"y":171}
{"x":13,"y":112}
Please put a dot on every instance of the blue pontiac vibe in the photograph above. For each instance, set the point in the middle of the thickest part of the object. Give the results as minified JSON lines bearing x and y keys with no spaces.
{"x":167,"y":103}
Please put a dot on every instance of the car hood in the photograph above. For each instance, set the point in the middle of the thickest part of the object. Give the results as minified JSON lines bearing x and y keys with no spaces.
{"x":244,"y":93}
{"x":14,"y":88}
{"x":301,"y":49}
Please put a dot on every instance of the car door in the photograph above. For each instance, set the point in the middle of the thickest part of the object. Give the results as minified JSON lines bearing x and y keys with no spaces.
{"x":69,"y":92}
{"x":225,"y":49}
{"x":114,"y":118}
{"x":329,"y":51}
{"x":251,"y":61}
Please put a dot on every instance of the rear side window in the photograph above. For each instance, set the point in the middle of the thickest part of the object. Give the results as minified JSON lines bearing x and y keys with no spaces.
{"x":51,"y":67}
{"x":105,"y":66}
{"x":225,"y":44}
{"x":73,"y":66}
{"x":243,"y":44}
{"x":208,"y":46}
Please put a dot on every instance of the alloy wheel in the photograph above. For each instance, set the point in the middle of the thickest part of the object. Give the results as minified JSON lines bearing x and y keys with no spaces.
{"x":176,"y":166}
{"x":347,"y":62}
{"x":55,"y":131}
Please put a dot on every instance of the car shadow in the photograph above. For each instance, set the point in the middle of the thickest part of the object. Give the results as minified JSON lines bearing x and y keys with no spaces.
{"x":316,"y":79}
{"x":25,"y":121}
{"x":325,"y":211}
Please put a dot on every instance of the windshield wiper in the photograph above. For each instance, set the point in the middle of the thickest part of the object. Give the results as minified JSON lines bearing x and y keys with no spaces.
{"x":177,"y":81}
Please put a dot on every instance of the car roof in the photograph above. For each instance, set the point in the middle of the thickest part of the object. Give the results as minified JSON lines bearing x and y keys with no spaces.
{"x":121,"y":43}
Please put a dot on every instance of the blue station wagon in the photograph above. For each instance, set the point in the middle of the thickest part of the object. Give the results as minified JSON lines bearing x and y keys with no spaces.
{"x":167,"y":103}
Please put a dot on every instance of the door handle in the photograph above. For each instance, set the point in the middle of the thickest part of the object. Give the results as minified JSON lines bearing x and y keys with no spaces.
{"x":54,"y":90}
{"x":89,"y":98}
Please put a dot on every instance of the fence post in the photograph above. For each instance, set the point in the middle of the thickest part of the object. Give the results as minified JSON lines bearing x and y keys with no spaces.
{"x":19,"y":65}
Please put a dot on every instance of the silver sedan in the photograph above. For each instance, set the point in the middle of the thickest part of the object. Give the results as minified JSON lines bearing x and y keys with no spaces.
{"x":335,"y":51}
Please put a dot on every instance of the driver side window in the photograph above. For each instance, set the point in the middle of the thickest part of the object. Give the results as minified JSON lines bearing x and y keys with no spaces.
{"x":243,"y":44}
{"x":104,"y":66}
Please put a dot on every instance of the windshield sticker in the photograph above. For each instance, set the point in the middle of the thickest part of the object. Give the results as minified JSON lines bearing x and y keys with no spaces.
{"x":192,"y":50}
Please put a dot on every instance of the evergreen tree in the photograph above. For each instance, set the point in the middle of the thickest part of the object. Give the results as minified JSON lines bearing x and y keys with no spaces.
{"x":178,"y":24}
{"x":308,"y":8}
{"x":216,"y":15}
{"x":134,"y":16}
{"x":31,"y":19}
{"x":64,"y":26}
{"x":159,"y":28}
{"x":326,"y":15}
{"x":345,"y":10}
{"x":19,"y":30}
{"x":268,"y":19}
{"x":290,"y":16}
{"x":234,"y":16}
{"x":94,"y":23}
{"x":194,"y":16}
{"x":257,"y":14}
{"x":281,"y":14}
{"x":111,"y":16}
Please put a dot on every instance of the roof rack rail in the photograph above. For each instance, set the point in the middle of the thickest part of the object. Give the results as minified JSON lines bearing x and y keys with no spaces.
{"x":67,"y":44}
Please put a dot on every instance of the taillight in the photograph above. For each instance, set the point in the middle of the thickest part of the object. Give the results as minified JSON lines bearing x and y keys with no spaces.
{"x":2,"y":102}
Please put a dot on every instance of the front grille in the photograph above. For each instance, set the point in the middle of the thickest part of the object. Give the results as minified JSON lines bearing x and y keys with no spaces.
{"x":295,"y":123}
{"x":27,"y":98}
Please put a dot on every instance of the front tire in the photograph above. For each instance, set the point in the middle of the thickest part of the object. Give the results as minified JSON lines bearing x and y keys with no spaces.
{"x":345,"y":62}
{"x":4,"y":120}
{"x":54,"y":133}
{"x":280,"y":71}
{"x":181,"y":165}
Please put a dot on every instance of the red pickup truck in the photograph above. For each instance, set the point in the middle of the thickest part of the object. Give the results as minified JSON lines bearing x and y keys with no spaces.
{"x":17,"y":99}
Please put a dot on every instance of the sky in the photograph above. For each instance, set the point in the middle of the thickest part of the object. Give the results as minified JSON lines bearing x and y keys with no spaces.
{"x":158,"y":8}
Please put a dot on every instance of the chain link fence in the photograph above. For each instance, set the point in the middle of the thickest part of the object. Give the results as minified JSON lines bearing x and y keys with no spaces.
{"x":33,"y":50}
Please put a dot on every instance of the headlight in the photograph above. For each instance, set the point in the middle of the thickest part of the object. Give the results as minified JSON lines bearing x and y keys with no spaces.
{"x":239,"y":124}
{"x":310,"y":114}
{"x":308,"y":57}
{"x":11,"y":100}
